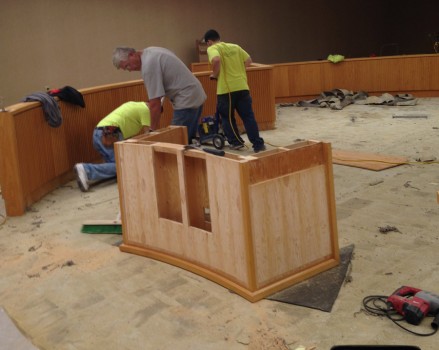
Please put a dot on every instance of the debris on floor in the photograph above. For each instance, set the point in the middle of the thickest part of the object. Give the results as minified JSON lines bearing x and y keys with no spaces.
{"x":386,"y":229}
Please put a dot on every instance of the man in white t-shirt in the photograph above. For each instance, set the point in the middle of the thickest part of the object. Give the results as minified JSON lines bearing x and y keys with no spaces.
{"x":164,"y":74}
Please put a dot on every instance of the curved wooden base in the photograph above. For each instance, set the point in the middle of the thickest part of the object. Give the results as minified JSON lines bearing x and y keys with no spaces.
{"x":228,"y":282}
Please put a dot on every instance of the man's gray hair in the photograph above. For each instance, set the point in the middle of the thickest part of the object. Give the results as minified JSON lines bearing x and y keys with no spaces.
{"x":121,"y":54}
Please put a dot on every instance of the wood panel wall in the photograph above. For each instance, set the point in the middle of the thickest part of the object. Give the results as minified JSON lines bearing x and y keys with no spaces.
{"x":41,"y":158}
{"x":295,"y":81}
{"x":414,"y":74}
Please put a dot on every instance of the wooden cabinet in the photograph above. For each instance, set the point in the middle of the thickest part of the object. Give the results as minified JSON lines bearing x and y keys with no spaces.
{"x":255,"y":224}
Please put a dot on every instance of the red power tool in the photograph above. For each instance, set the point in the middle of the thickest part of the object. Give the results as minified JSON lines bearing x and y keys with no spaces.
{"x":414,"y":304}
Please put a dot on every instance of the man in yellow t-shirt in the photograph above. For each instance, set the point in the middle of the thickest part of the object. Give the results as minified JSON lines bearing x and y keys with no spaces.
{"x":229,"y":62}
{"x":128,"y":120}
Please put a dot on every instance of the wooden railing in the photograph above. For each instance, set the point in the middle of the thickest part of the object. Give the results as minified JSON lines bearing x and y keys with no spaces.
{"x":414,"y":74}
{"x":36,"y":158}
{"x":295,"y":81}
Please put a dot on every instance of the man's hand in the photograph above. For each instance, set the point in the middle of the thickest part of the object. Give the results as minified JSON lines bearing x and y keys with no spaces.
{"x":109,"y":140}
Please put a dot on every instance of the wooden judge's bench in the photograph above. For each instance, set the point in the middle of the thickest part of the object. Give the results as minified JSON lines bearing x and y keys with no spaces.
{"x":255,"y":224}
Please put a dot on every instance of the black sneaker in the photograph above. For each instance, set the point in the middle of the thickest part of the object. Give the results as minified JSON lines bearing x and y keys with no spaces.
{"x":260,"y":148}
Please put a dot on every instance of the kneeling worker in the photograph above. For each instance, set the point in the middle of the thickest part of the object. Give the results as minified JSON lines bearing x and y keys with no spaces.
{"x":128,"y":120}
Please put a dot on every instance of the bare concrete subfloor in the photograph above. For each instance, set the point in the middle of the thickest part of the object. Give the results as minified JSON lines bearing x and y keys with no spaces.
{"x":74,"y":291}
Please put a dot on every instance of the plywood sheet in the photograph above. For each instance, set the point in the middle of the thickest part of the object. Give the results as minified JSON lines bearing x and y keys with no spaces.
{"x":290,"y":231}
{"x":368,"y":161}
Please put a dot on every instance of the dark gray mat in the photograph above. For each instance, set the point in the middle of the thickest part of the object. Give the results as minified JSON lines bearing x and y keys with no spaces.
{"x":321,"y":291}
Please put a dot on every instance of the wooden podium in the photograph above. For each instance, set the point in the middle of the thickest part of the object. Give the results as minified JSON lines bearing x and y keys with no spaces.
{"x":255,"y":224}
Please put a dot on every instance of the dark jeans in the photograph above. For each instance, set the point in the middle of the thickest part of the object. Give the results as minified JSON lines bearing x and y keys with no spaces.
{"x":188,"y":117}
{"x":241,"y":101}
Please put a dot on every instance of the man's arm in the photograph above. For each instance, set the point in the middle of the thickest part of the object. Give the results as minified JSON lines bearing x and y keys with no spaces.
{"x":216,"y":65}
{"x":248,"y":62}
{"x":155,"y":109}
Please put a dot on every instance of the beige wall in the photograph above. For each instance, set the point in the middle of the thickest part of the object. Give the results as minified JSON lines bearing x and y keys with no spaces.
{"x":53,"y":43}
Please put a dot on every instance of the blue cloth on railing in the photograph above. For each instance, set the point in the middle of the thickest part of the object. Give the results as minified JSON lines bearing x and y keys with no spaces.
{"x":51,"y":110}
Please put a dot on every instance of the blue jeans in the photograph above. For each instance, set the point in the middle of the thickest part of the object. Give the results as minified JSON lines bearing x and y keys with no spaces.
{"x":189,"y":117}
{"x":241,"y":101}
{"x":106,"y":170}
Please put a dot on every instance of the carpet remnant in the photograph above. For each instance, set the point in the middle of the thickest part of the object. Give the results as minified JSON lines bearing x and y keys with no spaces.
{"x":321,"y":291}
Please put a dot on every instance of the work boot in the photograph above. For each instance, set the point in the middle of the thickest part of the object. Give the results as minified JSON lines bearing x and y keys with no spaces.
{"x":81,"y":177}
{"x":260,"y":148}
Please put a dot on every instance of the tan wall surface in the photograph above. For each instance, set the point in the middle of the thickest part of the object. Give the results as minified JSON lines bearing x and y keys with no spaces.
{"x":55,"y":43}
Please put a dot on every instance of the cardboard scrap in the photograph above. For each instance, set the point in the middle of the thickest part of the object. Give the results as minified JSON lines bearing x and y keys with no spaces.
{"x":368,"y":161}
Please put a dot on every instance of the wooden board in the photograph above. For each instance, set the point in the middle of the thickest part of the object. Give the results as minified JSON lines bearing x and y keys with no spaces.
{"x":368,"y":161}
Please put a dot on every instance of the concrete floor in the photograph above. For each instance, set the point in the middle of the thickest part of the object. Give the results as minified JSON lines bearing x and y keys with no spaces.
{"x":69,"y":290}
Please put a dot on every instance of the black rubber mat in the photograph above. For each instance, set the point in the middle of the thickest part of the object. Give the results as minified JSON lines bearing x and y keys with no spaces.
{"x":321,"y":291}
